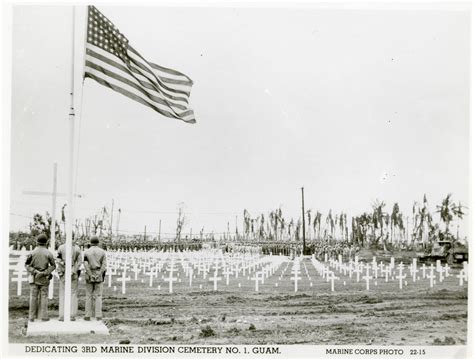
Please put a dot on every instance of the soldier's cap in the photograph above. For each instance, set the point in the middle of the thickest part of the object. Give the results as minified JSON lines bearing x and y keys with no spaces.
{"x":94,"y":240}
{"x":42,"y":239}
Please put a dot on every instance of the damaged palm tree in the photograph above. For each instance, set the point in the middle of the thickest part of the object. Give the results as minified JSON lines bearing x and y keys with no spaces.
{"x":180,"y":221}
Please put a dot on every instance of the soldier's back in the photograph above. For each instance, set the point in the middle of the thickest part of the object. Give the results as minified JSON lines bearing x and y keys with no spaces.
{"x":62,"y":251}
{"x":94,"y":255}
{"x":40,"y":258}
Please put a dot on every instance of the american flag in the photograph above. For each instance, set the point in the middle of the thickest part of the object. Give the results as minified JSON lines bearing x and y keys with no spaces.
{"x":112,"y":62}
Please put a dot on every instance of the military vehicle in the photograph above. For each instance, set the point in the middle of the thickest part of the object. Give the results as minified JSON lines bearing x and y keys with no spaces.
{"x":446,"y":251}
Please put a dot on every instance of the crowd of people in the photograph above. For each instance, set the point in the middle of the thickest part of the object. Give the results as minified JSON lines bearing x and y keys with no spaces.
{"x":334,"y":248}
{"x":152,"y":245}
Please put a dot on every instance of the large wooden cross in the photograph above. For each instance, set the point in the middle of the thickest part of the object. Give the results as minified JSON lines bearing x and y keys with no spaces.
{"x":53,"y":195}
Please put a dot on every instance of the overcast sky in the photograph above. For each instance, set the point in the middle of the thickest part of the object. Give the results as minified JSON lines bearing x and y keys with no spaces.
{"x":354,"y":105}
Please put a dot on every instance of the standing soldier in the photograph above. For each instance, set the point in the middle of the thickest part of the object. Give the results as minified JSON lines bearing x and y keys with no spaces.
{"x":95,"y":265}
{"x":75,"y":273}
{"x":39,"y":265}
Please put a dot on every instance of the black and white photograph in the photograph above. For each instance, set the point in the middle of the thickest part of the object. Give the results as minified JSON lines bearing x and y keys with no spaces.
{"x":239,"y":179}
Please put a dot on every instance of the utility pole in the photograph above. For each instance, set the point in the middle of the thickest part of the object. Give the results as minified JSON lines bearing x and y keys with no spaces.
{"x":407,"y":234}
{"x":111,"y":219}
{"x":304,"y":227}
{"x":144,"y":235}
{"x":236,"y":229}
{"x":118,"y":222}
{"x":159,"y":232}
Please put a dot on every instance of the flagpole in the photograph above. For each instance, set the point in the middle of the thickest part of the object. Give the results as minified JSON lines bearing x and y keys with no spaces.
{"x":70,"y":217}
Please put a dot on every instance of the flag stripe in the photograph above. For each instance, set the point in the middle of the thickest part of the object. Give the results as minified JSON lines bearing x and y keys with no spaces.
{"x":133,"y":90}
{"x":174,"y":81}
{"x":143,"y":71}
{"x":133,"y":75}
{"x":131,"y":83}
{"x":164,"y":69}
{"x":189,"y":116}
{"x":110,"y":60}
{"x":168,"y":72}
{"x":142,"y":64}
{"x":107,"y":57}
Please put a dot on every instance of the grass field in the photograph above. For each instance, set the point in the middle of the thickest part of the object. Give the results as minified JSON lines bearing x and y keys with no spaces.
{"x":384,"y":315}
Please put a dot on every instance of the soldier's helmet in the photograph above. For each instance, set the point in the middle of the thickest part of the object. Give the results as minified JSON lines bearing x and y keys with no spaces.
{"x":42,"y":239}
{"x":95,"y":240}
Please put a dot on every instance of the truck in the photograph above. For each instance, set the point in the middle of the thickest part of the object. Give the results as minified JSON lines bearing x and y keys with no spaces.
{"x":446,"y":251}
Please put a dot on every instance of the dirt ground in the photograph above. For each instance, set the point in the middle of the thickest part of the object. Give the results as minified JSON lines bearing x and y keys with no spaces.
{"x":384,"y":315}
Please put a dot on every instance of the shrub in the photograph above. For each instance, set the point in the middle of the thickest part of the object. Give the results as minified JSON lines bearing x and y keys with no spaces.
{"x":207,"y":332}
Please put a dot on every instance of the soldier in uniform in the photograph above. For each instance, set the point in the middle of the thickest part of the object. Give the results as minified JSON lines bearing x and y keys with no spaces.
{"x":95,"y":264}
{"x":39,"y":265}
{"x":76,"y":261}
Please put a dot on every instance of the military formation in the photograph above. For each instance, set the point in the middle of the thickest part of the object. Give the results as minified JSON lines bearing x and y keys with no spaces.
{"x":40,"y":265}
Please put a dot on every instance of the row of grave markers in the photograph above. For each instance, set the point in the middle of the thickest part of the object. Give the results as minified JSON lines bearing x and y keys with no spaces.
{"x":215,"y":267}
{"x":386,"y":271}
{"x":194,"y":266}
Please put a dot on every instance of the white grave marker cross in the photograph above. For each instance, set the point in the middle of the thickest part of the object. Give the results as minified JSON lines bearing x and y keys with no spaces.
{"x":401,"y":276}
{"x":123,"y":279}
{"x":20,"y":279}
{"x":171,"y":279}
{"x":215,"y":279}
